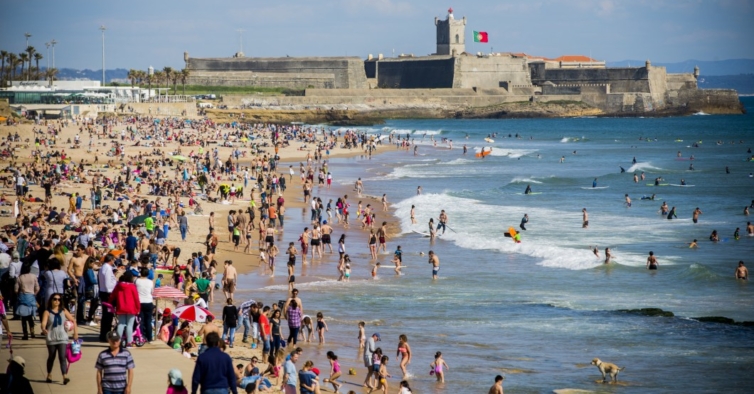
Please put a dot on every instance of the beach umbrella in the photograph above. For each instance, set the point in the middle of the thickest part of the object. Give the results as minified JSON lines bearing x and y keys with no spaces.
{"x":138,"y":220}
{"x":192,"y":313}
{"x":167,"y":292}
{"x":179,"y":158}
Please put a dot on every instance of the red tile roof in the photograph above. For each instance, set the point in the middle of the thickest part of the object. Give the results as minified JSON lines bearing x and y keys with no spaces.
{"x":575,"y":58}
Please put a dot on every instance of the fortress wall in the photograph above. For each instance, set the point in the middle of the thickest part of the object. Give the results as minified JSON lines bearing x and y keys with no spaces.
{"x":707,"y":100}
{"x":681,"y":81}
{"x":621,"y":80}
{"x":487,"y":72}
{"x":348,"y":72}
{"x":658,"y":86}
{"x":251,"y":78}
{"x":381,"y":93}
{"x":415,"y":73}
{"x":429,"y":100}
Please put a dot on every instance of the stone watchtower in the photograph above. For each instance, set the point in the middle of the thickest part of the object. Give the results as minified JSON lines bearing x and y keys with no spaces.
{"x":451,"y":35}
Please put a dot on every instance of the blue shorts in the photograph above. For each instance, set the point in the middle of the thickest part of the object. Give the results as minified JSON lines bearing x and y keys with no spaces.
{"x":435,"y":270}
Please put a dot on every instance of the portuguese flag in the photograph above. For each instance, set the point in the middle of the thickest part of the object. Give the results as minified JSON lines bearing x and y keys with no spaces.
{"x":480,"y":36}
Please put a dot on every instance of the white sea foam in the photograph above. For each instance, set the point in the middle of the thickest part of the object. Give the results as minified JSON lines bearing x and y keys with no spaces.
{"x":645,"y":166}
{"x":512,"y":153}
{"x":562,"y":245}
{"x":520,"y":179}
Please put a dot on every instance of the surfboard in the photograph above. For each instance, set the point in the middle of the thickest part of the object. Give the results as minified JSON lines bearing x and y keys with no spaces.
{"x":662,"y":184}
{"x":595,"y":188}
{"x":530,"y":193}
{"x":426,"y":235}
{"x":484,"y":153}
{"x":490,"y":140}
{"x":676,"y":185}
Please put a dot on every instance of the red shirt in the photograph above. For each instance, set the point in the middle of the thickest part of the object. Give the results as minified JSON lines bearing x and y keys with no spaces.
{"x":265,"y":324}
{"x":125,"y":298}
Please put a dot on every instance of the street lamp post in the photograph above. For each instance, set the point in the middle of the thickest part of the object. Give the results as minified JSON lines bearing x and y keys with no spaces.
{"x":103,"y":28}
{"x":52,"y":43}
{"x":27,"y":35}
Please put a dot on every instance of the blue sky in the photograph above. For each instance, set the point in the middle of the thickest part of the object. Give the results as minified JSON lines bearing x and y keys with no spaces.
{"x":141,"y":33}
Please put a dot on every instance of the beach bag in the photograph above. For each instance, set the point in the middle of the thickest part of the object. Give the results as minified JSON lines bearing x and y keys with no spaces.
{"x":73,"y":352}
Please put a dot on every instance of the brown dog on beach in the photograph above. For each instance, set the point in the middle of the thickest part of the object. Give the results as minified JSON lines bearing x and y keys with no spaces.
{"x":607,"y":369}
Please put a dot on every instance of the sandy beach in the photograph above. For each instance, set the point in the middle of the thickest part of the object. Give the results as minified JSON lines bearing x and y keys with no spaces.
{"x":97,"y":162}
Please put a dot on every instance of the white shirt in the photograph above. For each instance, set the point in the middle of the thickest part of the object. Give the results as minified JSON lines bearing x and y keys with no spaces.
{"x":144,"y":287}
{"x":201,"y":303}
{"x":15,"y":269}
{"x":20,"y":180}
{"x":106,"y":278}
{"x":5,"y":260}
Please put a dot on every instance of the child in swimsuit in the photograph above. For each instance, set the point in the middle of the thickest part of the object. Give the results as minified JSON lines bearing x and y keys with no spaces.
{"x":437,"y":367}
{"x":334,"y":371}
{"x":383,"y":375}
{"x":321,"y":327}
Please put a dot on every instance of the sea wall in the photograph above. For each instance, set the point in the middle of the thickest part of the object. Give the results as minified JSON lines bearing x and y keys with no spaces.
{"x":621,"y":80}
{"x":347,"y":72}
{"x":416,"y":73}
{"x":260,"y":79}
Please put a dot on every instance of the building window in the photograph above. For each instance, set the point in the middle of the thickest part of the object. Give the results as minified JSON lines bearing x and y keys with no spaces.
{"x":456,"y":38}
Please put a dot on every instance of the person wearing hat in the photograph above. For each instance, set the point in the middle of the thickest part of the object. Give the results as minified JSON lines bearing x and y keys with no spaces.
{"x":14,"y":381}
{"x":369,"y":349}
{"x":175,"y":382}
{"x":199,"y":301}
{"x":115,"y":368}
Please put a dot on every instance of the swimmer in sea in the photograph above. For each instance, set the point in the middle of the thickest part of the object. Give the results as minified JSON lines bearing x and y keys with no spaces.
{"x":636,"y":178}
{"x":596,"y":251}
{"x":737,"y":234}
{"x":693,"y":244}
{"x":713,"y":237}
{"x":528,"y":189}
{"x":695,"y":216}
{"x":741,"y":271}
{"x":584,"y":219}
{"x":652,"y":261}
{"x":642,"y":176}
{"x":608,"y":255}
{"x":628,"y":201}
{"x":594,"y":182}
{"x":749,"y":229}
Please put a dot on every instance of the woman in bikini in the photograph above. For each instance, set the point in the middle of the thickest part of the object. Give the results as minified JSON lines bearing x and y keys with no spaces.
{"x":373,"y":244}
{"x":404,"y":352}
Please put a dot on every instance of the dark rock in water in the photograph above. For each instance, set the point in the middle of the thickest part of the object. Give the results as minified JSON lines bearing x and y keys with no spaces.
{"x":715,"y":319}
{"x":648,"y":312}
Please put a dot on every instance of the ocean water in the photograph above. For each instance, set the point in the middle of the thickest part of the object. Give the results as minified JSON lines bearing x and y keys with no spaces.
{"x":539,"y":311}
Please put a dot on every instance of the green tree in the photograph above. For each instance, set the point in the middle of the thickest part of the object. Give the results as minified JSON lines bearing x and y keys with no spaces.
{"x":23,"y":56}
{"x":185,"y":73}
{"x":37,"y":57}
{"x":50,"y":74}
{"x":30,"y":52}
{"x":168,"y":71}
{"x":3,"y":56}
{"x":13,"y":64}
{"x":132,"y":76}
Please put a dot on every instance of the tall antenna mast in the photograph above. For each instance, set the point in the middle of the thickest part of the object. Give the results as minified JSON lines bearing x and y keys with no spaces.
{"x":240,"y":39}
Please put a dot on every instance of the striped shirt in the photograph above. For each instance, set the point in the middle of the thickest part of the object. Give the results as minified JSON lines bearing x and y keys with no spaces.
{"x":114,"y":369}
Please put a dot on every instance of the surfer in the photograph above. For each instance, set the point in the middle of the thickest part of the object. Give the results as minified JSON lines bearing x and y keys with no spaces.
{"x":435,"y":261}
{"x":585,"y":219}
{"x":524,"y":220}
{"x":657,"y":181}
{"x":741,"y":271}
{"x":648,"y":198}
{"x":608,"y":255}
{"x":727,"y":170}
{"x":634,"y":161}
{"x":696,"y":214}
{"x":528,"y":189}
{"x":652,"y":261}
{"x":622,"y":170}
{"x":691,"y":167}
{"x":594,"y":182}
{"x":442,"y":220}
{"x":672,"y":214}
{"x":683,"y":182}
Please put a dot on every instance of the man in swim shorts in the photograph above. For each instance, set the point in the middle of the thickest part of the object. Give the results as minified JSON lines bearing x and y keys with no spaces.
{"x":435,"y":261}
{"x":229,"y":279}
{"x":695,"y":217}
{"x":741,"y":271}
{"x":442,"y":220}
{"x":585,"y":219}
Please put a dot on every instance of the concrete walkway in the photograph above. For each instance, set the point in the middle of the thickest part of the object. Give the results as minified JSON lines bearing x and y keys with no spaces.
{"x":153,"y":361}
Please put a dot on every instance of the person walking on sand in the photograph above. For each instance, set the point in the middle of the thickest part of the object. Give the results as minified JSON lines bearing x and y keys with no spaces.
{"x":115,"y":368}
{"x":213,"y":371}
{"x":229,"y":279}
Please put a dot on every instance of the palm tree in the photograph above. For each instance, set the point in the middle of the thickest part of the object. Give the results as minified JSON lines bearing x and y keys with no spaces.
{"x":168,"y":71}
{"x":184,"y":76}
{"x":3,"y":56}
{"x":30,"y":51}
{"x":158,"y":76}
{"x":50,"y":74}
{"x":150,"y":78}
{"x":176,"y":77}
{"x":12,"y":63}
{"x":24,"y":57}
{"x":37,"y":57}
{"x":132,"y":76}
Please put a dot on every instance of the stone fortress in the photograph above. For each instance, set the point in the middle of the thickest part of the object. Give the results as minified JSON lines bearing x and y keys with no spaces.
{"x":454,"y":78}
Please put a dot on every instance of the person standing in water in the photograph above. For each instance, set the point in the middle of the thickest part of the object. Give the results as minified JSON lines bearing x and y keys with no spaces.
{"x":652,"y":261}
{"x":528,"y":189}
{"x":695,"y":216}
{"x":524,"y":220}
{"x":435,"y":261}
{"x":672,"y":214}
{"x":742,"y":272}
{"x":594,"y":182}
{"x":585,"y":219}
{"x":608,"y":255}
{"x":443,"y":219}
